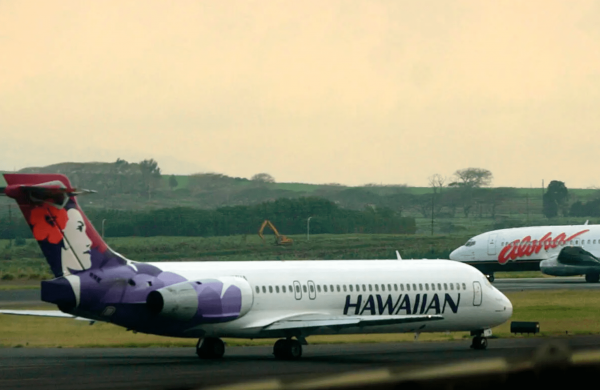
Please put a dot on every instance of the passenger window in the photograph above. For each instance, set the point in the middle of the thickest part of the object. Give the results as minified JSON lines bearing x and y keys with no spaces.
{"x":426,"y":286}
{"x":420,"y":287}
{"x":325,"y":287}
{"x":271,"y":289}
{"x":277,"y":289}
{"x":376,"y":287}
{"x":283,"y":288}
{"x":304,"y":288}
{"x":344,"y":286}
{"x":370,"y":287}
{"x":291,"y":289}
{"x":350,"y":287}
{"x":358,"y":287}
{"x":383,"y":287}
{"x":451,"y":287}
{"x":401,"y":287}
{"x":414,"y":287}
{"x":298,"y":289}
{"x":445,"y":287}
{"x":312,"y":288}
{"x":364,"y":287}
{"x":407,"y":287}
{"x":432,"y":286}
{"x":576,"y":242}
{"x":458,"y":286}
{"x":464,"y":286}
{"x":331,"y":287}
{"x":338,"y":288}
{"x":264,"y":289}
{"x":395,"y":287}
{"x":257,"y":289}
{"x":439,"y":287}
{"x":318,"y":288}
{"x":594,"y":241}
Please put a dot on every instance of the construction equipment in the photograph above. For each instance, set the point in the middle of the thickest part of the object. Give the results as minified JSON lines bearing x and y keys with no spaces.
{"x":279,"y":238}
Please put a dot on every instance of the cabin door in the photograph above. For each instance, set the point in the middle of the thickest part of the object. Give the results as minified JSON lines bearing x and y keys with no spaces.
{"x":477,"y":297}
{"x":297,"y":290}
{"x":492,"y":244}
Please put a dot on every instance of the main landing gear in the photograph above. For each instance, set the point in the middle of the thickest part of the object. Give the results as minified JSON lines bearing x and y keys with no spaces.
{"x":592,"y":278}
{"x":287,"y":349}
{"x":480,"y":339}
{"x":210,"y":348}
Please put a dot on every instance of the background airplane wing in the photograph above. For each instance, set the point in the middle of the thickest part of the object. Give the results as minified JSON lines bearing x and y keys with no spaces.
{"x":316,"y":321}
{"x":575,"y":255}
{"x":43,"y":313}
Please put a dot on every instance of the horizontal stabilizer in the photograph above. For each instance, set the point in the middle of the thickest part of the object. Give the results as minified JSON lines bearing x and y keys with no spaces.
{"x":318,"y":321}
{"x":43,"y":313}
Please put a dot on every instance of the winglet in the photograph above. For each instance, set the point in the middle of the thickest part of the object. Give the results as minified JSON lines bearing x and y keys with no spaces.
{"x":398,"y":255}
{"x":586,"y":222}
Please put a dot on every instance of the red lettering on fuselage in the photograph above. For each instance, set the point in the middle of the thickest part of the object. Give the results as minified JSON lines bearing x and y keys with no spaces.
{"x":525,"y":247}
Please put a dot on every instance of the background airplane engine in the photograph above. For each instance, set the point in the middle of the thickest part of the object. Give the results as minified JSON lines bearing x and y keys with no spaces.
{"x":203,"y":301}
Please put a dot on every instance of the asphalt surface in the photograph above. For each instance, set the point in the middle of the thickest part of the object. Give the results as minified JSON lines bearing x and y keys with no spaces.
{"x":558,"y":283}
{"x":179,"y":368}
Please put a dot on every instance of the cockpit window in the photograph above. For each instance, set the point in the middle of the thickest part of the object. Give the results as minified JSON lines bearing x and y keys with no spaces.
{"x":470,"y":243}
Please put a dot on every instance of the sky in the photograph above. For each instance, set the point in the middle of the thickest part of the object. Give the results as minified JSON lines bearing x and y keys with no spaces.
{"x":350,"y":92}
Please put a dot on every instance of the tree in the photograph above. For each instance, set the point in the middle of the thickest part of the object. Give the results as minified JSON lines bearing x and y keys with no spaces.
{"x":466,"y":180}
{"x":555,"y":199}
{"x":150,"y":175}
{"x":436,"y":181}
{"x":173,"y":182}
{"x":263,"y":178}
{"x":472,"y":178}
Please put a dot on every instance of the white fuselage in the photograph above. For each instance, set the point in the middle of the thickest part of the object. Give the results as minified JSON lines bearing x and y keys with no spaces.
{"x":458,"y":292}
{"x":522,"y":249}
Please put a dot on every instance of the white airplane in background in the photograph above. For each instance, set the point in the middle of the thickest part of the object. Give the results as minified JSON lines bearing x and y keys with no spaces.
{"x":290,"y":300}
{"x":555,"y":250}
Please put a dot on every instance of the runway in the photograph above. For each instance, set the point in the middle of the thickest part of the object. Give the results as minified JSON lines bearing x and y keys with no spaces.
{"x":179,"y":368}
{"x":556,"y":283}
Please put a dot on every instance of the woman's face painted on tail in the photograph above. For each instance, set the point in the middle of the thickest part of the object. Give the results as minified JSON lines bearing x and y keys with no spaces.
{"x":76,"y":254}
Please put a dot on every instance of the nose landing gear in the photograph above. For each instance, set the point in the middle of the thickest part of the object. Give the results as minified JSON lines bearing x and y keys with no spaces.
{"x":479,"y":342}
{"x":480,"y":338}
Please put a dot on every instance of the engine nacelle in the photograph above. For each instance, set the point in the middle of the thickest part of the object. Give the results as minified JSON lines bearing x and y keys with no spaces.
{"x":203,"y":301}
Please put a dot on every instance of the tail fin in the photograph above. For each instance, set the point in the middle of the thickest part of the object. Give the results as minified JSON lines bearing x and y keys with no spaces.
{"x":67,"y":238}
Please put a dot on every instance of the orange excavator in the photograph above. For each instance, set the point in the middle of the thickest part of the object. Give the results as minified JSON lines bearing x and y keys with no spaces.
{"x":279,"y":238}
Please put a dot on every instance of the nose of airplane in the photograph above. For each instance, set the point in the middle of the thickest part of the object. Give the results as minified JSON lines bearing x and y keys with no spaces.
{"x":505,"y":306}
{"x":454,"y":255}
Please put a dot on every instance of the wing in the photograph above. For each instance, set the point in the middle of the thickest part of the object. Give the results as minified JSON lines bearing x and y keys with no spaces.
{"x":43,"y":313}
{"x":576,"y":255}
{"x":323,"y":320}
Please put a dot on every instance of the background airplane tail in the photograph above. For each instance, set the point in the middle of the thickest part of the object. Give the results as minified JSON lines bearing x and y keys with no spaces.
{"x":67,"y":238}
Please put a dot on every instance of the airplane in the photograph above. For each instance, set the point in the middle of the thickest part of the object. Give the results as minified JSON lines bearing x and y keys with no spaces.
{"x":555,"y":250}
{"x":289,"y":300}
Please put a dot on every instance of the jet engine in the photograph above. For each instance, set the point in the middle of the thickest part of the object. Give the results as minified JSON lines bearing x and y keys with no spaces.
{"x":207,"y":300}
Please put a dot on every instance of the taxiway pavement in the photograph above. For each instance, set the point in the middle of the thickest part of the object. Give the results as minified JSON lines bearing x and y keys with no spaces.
{"x":179,"y":368}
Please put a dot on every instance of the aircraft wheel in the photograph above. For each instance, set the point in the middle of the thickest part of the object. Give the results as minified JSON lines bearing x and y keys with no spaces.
{"x":592,"y":278}
{"x":210,"y":348}
{"x":285,"y":349}
{"x":479,"y":343}
{"x":491,"y":278}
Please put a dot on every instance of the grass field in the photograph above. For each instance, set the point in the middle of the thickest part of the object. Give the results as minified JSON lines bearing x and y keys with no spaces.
{"x":26,"y":262}
{"x":564,"y":312}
